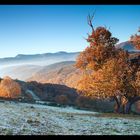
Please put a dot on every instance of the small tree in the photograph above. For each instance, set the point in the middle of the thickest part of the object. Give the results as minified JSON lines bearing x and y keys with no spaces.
{"x":9,"y":88}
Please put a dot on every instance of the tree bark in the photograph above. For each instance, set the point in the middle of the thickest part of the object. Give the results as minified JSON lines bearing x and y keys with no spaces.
{"x":117,"y":105}
{"x":129,"y":104}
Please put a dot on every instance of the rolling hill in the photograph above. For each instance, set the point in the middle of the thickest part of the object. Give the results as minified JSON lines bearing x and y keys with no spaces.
{"x":63,"y":73}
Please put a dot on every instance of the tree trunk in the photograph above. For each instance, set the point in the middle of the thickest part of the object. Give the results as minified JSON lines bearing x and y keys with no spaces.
{"x":129,"y":104}
{"x":117,"y":105}
{"x":124,"y":109}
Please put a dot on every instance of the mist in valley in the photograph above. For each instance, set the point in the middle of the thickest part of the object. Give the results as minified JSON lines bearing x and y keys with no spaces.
{"x":24,"y":66}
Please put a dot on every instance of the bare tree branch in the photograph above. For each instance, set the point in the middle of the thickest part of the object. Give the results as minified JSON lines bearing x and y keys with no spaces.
{"x":90,"y":19}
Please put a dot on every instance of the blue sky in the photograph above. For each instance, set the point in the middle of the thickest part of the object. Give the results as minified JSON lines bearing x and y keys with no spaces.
{"x":31,"y":29}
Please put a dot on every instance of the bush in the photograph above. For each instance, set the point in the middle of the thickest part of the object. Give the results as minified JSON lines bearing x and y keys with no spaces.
{"x":62,"y":99}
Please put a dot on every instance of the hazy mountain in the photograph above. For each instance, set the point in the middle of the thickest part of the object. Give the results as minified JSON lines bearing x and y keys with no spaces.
{"x":39,"y":59}
{"x":24,"y":66}
{"x":127,"y":46}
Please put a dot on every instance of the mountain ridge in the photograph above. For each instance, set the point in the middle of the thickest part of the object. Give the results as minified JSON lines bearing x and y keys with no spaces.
{"x":39,"y":59}
{"x":39,"y":54}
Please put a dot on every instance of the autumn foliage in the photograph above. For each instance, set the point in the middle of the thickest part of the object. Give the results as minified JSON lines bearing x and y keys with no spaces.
{"x":9,"y":88}
{"x":108,"y":71}
{"x":102,"y":37}
{"x":100,"y":50}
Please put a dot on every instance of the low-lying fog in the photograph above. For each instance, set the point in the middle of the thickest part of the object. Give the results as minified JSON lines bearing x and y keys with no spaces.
{"x":24,"y":68}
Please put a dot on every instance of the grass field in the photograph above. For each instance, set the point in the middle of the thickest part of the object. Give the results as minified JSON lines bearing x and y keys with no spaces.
{"x":32,"y":119}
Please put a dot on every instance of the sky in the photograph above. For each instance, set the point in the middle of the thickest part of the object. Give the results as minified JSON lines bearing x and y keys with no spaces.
{"x":33,"y":29}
